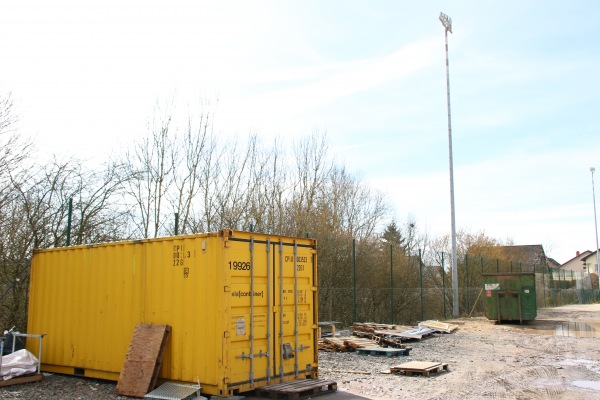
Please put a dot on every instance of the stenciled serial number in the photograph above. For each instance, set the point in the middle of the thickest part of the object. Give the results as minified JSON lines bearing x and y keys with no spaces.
{"x":180,"y":254}
{"x":239,"y":265}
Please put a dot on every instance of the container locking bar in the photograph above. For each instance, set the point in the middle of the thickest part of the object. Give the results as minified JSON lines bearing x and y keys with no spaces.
{"x":251,"y":375}
{"x":302,"y":348}
{"x":268,"y":250}
{"x":296,"y":305}
{"x":245,"y":356}
{"x":281,"y":370}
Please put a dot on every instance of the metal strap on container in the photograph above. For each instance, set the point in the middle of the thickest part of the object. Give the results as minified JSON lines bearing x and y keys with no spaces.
{"x":296,"y":307}
{"x":251,"y":377}
{"x":268,"y":250}
{"x":281,"y":371}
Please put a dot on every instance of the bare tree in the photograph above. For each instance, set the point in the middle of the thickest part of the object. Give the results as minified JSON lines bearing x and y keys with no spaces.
{"x":100,"y":213}
{"x":150,"y":167}
{"x":312,"y":167}
{"x":13,"y":149}
{"x":195,"y":147}
{"x":206,"y":218}
{"x":37,"y":214}
{"x":267,"y":208}
{"x":233,"y":195}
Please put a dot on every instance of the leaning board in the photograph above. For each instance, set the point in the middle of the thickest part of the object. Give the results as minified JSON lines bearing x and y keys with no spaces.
{"x":143,"y":360}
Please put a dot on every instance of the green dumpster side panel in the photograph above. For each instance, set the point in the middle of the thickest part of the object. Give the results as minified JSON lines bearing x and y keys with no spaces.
{"x":510,"y":296}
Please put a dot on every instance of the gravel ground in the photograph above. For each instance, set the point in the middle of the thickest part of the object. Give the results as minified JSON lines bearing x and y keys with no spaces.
{"x":484,"y":361}
{"x":62,"y":387}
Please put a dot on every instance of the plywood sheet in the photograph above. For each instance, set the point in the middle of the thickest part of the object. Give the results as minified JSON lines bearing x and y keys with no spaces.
{"x":143,"y":360}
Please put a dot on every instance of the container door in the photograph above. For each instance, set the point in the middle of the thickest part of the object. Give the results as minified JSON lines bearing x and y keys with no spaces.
{"x":249,"y":348}
{"x":508,"y":306}
{"x":294,"y":311}
{"x":272,"y":318}
{"x":528,"y":297}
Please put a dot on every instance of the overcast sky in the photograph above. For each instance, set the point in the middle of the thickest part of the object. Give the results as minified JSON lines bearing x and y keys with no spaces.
{"x":525,"y":94}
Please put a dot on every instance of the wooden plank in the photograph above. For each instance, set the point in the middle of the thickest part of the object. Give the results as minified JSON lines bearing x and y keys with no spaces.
{"x":143,"y":360}
{"x":21,"y":379}
{"x":439,"y":326}
{"x":343,"y":371}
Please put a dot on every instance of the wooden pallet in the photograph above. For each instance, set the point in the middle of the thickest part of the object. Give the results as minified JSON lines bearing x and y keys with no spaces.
{"x":385,"y":338}
{"x":419,"y":368}
{"x":21,"y":379}
{"x":411,"y":334}
{"x":370,"y":327}
{"x":143,"y":360}
{"x":295,"y":390}
{"x":384,"y":351}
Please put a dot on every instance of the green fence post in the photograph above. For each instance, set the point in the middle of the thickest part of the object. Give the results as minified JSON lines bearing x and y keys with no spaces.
{"x":467,"y":281}
{"x":552,"y":289}
{"x":538,"y":304}
{"x":421,"y":282}
{"x":544,"y":284}
{"x":354,"y":268}
{"x":560,"y":303}
{"x":575,"y":288}
{"x":443,"y":285}
{"x":565,"y":287}
{"x":481,"y":265}
{"x":69,"y":214}
{"x":581,"y":292}
{"x":392,"y":281}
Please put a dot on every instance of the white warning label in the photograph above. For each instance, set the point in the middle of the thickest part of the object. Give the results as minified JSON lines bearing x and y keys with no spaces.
{"x":492,"y":286}
{"x":240,"y":326}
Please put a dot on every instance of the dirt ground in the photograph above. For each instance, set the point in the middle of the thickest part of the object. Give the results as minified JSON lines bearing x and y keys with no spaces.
{"x":490,"y":361}
{"x":485,"y":360}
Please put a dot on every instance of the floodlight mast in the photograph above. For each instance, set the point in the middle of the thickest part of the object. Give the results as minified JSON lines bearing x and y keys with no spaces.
{"x":447,"y":23}
{"x":592,"y":169}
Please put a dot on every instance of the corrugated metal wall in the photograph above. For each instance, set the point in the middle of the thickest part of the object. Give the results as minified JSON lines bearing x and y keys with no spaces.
{"x":88,"y":299}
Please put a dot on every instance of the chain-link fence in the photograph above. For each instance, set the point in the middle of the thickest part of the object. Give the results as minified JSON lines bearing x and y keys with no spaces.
{"x":412,"y":289}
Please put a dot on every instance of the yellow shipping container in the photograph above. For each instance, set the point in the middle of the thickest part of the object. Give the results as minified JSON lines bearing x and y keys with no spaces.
{"x":242,"y":307}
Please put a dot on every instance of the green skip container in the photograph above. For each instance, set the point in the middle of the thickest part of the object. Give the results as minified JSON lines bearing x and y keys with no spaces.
{"x":510,"y":297}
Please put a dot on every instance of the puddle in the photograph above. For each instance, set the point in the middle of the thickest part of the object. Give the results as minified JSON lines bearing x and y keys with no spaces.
{"x":594,"y":385}
{"x":572,"y":329}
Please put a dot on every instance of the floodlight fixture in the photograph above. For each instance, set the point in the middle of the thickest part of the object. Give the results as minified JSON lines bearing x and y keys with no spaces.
{"x":446,"y":21}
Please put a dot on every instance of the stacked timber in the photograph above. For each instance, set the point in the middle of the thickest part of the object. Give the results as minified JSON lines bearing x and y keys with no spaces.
{"x":369,"y":334}
{"x":344,"y":344}
{"x":391,"y":335}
